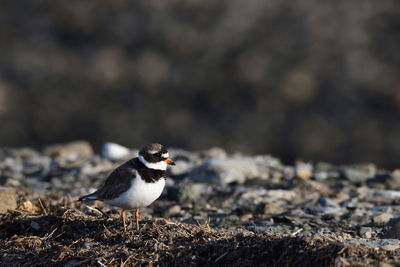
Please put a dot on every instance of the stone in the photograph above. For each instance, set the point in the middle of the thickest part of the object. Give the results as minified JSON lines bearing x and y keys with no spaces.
{"x":181,"y":168}
{"x":23,"y":152}
{"x":215,"y":153}
{"x":185,"y":191}
{"x":114,"y":151}
{"x":37,"y":166}
{"x":87,"y":245}
{"x":360,"y":173}
{"x":72,"y":150}
{"x":8,"y":199}
{"x":175,"y":209}
{"x":381,"y":219}
{"x":391,"y":247}
{"x":276,"y":207}
{"x":394,"y":231}
{"x":304,"y":170}
{"x":387,"y":244}
{"x":328,"y":202}
{"x":365,"y":232}
{"x":380,"y":197}
{"x":35,"y":225}
{"x":232,"y":170}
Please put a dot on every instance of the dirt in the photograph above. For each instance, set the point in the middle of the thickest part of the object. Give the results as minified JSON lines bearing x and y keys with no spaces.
{"x":55,"y":231}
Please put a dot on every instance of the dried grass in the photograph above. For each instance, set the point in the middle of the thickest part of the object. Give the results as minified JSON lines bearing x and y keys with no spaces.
{"x":59,"y":235}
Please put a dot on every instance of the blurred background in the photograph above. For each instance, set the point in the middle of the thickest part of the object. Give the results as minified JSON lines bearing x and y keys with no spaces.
{"x":316,"y":80}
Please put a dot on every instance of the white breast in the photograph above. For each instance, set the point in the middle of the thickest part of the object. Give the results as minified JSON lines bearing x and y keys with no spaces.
{"x":141,"y":194}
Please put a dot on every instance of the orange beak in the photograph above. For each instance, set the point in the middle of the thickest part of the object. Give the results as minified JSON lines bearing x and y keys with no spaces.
{"x":169,"y":161}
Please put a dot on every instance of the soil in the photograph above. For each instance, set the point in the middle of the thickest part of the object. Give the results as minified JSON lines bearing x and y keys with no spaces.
{"x":55,"y":231}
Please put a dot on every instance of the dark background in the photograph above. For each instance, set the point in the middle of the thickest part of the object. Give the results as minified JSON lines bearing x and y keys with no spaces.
{"x":310,"y":79}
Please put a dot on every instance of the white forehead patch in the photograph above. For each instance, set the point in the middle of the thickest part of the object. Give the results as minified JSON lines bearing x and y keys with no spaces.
{"x":152,"y":151}
{"x":165,"y":155}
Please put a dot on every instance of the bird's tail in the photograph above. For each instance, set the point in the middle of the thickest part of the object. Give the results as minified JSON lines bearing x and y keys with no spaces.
{"x":88,"y":197}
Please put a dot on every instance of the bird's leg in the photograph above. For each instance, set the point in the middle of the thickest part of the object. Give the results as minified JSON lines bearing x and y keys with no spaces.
{"x":123,"y":219}
{"x":137,"y":218}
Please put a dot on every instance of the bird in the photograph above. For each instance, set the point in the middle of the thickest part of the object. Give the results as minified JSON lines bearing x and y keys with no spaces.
{"x":136,"y":183}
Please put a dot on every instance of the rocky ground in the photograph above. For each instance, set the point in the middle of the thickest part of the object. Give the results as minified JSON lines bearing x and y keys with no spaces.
{"x":216,"y":209}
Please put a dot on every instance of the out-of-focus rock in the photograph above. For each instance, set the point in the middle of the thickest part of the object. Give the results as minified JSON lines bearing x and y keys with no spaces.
{"x":8,"y":199}
{"x":186,"y":191}
{"x":383,"y":218}
{"x":328,"y":202}
{"x":23,"y":152}
{"x":308,"y":187}
{"x":28,"y":206}
{"x":365,"y":232}
{"x":175,"y":209}
{"x":96,"y":167}
{"x":72,"y":150}
{"x":35,"y":225}
{"x":304,"y":170}
{"x":214,"y":153}
{"x":394,"y":231}
{"x":87,"y":245}
{"x":184,"y":160}
{"x":37,"y":166}
{"x":359,"y":173}
{"x":233,"y":170}
{"x":275,"y":207}
{"x":378,"y":196}
{"x":387,"y":244}
{"x":114,"y":152}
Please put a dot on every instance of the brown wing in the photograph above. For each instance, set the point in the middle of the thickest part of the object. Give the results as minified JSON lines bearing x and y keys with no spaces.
{"x":118,"y":181}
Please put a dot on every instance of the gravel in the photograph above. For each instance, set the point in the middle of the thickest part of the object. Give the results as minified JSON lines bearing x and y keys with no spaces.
{"x":257,"y":194}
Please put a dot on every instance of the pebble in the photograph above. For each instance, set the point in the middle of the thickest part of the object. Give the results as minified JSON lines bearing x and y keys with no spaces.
{"x":383,"y":218}
{"x":88,"y":245}
{"x":359,"y":174}
{"x":35,"y":225}
{"x":328,"y":202}
{"x":233,"y":190}
{"x":304,"y":170}
{"x":185,"y":191}
{"x":365,"y":232}
{"x":8,"y":199}
{"x":175,"y":209}
{"x":71,"y":150}
{"x":114,"y":151}
{"x":231,"y":170}
{"x":387,"y":244}
{"x":394,"y":231}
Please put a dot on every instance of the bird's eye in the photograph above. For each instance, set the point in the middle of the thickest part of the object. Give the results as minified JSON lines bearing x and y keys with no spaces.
{"x":158,"y":155}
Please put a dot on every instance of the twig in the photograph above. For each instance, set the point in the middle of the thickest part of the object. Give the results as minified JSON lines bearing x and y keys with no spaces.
{"x":297,"y":231}
{"x":41,"y":205}
{"x":220,"y":257}
{"x":24,"y":212}
{"x":59,"y":235}
{"x":123,"y":263}
{"x":51,"y":234}
{"x":207,"y":223}
{"x":108,"y":231}
{"x":197,"y":222}
{"x":96,"y":209}
{"x":100,"y":263}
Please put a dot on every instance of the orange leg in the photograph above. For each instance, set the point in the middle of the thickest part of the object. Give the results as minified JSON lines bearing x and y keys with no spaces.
{"x":123,"y":219}
{"x":137,"y":218}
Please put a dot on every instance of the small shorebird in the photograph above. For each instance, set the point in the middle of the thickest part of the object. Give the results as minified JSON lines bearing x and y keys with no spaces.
{"x":137,"y":183}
